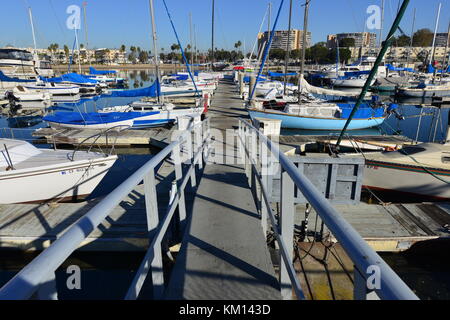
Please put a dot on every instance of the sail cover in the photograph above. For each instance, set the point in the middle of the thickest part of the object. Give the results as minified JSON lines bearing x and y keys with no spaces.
{"x":5,"y":78}
{"x":153,"y":91}
{"x":70,"y":77}
{"x":101,"y":72}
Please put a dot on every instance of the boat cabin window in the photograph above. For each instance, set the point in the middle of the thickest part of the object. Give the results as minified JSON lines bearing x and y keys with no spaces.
{"x":411,"y":150}
{"x":16,"y":55}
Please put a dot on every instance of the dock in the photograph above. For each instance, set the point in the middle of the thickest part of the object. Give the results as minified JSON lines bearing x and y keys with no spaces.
{"x":224,"y":253}
{"x":158,"y":137}
{"x":215,"y":261}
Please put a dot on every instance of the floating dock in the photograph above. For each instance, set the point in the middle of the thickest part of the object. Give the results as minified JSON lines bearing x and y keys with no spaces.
{"x":158,"y":137}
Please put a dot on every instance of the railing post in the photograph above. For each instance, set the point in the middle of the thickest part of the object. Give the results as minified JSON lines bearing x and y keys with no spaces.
{"x":264,"y":188}
{"x":286,"y":227}
{"x":179,"y":177}
{"x":240,"y":136}
{"x":360,"y":290}
{"x":191,"y":154}
{"x":199,"y":143}
{"x":151,"y":208}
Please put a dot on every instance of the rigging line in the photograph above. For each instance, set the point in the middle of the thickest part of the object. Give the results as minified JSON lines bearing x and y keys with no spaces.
{"x":181,"y":47}
{"x":57,"y":20}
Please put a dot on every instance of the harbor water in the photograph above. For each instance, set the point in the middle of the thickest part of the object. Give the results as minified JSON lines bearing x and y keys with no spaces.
{"x":107,"y":275}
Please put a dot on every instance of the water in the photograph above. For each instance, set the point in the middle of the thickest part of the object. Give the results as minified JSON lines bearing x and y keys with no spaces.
{"x":107,"y":275}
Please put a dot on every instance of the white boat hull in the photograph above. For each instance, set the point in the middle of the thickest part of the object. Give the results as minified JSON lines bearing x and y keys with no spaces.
{"x":67,"y":181}
{"x":407,"y":179}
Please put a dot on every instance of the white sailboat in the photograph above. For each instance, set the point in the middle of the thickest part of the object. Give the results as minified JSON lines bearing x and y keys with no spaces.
{"x":29,"y":174}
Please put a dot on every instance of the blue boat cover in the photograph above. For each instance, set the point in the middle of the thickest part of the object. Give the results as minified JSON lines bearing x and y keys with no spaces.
{"x":261,"y":79}
{"x":392,"y":68}
{"x":276,"y":74}
{"x":365,"y":111}
{"x":180,"y":76}
{"x":356,"y":73}
{"x":431,"y":69}
{"x":70,"y":77}
{"x":93,"y":118}
{"x":101,"y":72}
{"x":5,"y":78}
{"x":153,"y":91}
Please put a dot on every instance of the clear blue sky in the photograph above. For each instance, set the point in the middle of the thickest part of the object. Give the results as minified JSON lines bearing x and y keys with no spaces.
{"x":115,"y":22}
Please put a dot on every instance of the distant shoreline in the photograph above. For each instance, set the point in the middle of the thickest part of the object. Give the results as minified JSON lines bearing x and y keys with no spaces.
{"x":174,"y":67}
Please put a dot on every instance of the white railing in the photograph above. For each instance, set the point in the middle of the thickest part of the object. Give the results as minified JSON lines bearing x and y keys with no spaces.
{"x":260,"y":156}
{"x":38,"y":277}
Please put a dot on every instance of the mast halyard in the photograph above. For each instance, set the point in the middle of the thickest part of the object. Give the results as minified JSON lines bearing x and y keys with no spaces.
{"x":155,"y":51}
{"x":302,"y":64}
{"x":288,"y":49}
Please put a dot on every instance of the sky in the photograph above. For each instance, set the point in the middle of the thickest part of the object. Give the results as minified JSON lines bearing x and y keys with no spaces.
{"x":111,"y":23}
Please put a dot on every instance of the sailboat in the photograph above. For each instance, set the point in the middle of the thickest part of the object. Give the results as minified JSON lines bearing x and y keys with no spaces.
{"x":320,"y":115}
{"x":29,"y":174}
{"x":423,"y":169}
{"x":431,"y":89}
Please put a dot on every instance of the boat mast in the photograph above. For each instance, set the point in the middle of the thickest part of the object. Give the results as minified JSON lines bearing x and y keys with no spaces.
{"x":444,"y":60}
{"x":374,"y":70}
{"x":412,"y":35}
{"x":382,"y":23}
{"x":268,"y":32}
{"x":302,"y":64}
{"x":212,"y":35}
{"x":155,"y":51}
{"x":78,"y":46}
{"x":30,"y":13}
{"x":288,"y":49}
{"x":433,"y":49}
{"x":86,"y":32}
{"x":191,"y":41}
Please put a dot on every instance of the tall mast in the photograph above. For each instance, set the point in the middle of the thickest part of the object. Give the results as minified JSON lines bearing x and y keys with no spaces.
{"x":86,"y":32}
{"x":212,"y":35}
{"x":435,"y":32}
{"x":444,"y":60}
{"x":155,"y":49}
{"x":382,"y":22}
{"x":78,"y":46}
{"x":32,"y":27}
{"x":288,"y":49}
{"x":191,"y":41}
{"x":412,"y":35}
{"x":302,"y":64}
{"x":268,"y":31}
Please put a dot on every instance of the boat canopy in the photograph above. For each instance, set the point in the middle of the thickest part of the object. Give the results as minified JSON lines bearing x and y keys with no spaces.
{"x":365,"y":111}
{"x":5,"y":78}
{"x":390,"y":67}
{"x":247,"y":79}
{"x":277,"y":74}
{"x":153,"y":91}
{"x":431,"y":69}
{"x":93,"y":118}
{"x":181,"y":77}
{"x":101,"y":72}
{"x":70,"y":77}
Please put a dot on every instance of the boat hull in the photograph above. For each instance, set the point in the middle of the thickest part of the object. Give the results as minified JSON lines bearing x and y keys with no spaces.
{"x":417,"y":93}
{"x":309,"y":123}
{"x":407,"y":179}
{"x":71,"y":180}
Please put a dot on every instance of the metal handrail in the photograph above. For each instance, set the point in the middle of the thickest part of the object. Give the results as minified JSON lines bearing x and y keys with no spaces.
{"x":361,"y":254}
{"x":36,"y":274}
